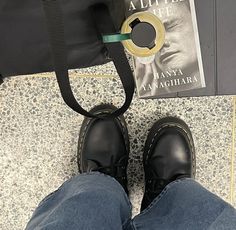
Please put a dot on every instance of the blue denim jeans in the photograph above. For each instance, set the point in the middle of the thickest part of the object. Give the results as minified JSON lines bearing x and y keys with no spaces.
{"x":96,"y":201}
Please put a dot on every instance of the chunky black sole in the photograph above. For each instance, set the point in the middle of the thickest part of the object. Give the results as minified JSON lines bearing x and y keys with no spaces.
{"x":101,"y":109}
{"x":156,"y":129}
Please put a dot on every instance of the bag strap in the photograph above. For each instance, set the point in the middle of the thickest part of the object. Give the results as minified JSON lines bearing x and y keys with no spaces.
{"x":104,"y":24}
{"x":1,"y":79}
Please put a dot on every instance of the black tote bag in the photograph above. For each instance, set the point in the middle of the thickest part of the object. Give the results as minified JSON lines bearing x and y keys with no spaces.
{"x":25,"y":46}
{"x":57,"y":35}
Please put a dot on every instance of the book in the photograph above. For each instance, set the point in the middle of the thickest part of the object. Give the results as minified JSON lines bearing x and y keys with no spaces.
{"x":178,"y":65}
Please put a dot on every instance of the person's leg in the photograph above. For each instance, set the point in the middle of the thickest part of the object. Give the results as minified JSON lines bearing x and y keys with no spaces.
{"x":88,"y":201}
{"x":96,"y":199}
{"x":172,"y":199}
{"x":185,"y":205}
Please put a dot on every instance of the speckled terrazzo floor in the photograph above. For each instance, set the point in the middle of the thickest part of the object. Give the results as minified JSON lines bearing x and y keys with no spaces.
{"x":39,"y":136}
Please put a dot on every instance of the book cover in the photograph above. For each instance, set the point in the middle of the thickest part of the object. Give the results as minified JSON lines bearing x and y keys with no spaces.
{"x":178,"y":65}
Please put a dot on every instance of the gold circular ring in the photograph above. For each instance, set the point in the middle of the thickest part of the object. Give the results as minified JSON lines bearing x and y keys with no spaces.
{"x":155,"y":22}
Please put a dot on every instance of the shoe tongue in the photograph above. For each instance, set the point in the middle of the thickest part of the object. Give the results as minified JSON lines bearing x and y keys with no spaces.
{"x":92,"y":166}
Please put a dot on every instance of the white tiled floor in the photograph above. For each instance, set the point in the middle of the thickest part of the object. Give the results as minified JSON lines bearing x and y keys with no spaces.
{"x":39,"y":135}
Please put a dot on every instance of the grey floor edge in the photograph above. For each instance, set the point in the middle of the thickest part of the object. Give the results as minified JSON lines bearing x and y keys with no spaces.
{"x":39,"y":136}
{"x":233,"y":185}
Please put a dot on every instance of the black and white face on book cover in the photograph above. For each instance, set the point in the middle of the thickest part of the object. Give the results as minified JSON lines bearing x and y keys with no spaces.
{"x":178,"y":65}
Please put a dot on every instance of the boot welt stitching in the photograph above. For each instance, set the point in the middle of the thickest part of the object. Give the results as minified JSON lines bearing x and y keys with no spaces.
{"x":174,"y":125}
{"x":85,"y":128}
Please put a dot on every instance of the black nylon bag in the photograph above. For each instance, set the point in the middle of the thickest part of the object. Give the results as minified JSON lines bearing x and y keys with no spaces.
{"x":47,"y":35}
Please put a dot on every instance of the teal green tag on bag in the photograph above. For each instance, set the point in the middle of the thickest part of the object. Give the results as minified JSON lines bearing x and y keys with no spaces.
{"x":115,"y":38}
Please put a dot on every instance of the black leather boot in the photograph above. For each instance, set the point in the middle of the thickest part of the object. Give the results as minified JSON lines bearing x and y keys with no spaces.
{"x":104,"y":145}
{"x":169,"y":155}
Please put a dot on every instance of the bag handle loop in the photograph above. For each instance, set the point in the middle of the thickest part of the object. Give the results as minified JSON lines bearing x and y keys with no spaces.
{"x":54,"y":16}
